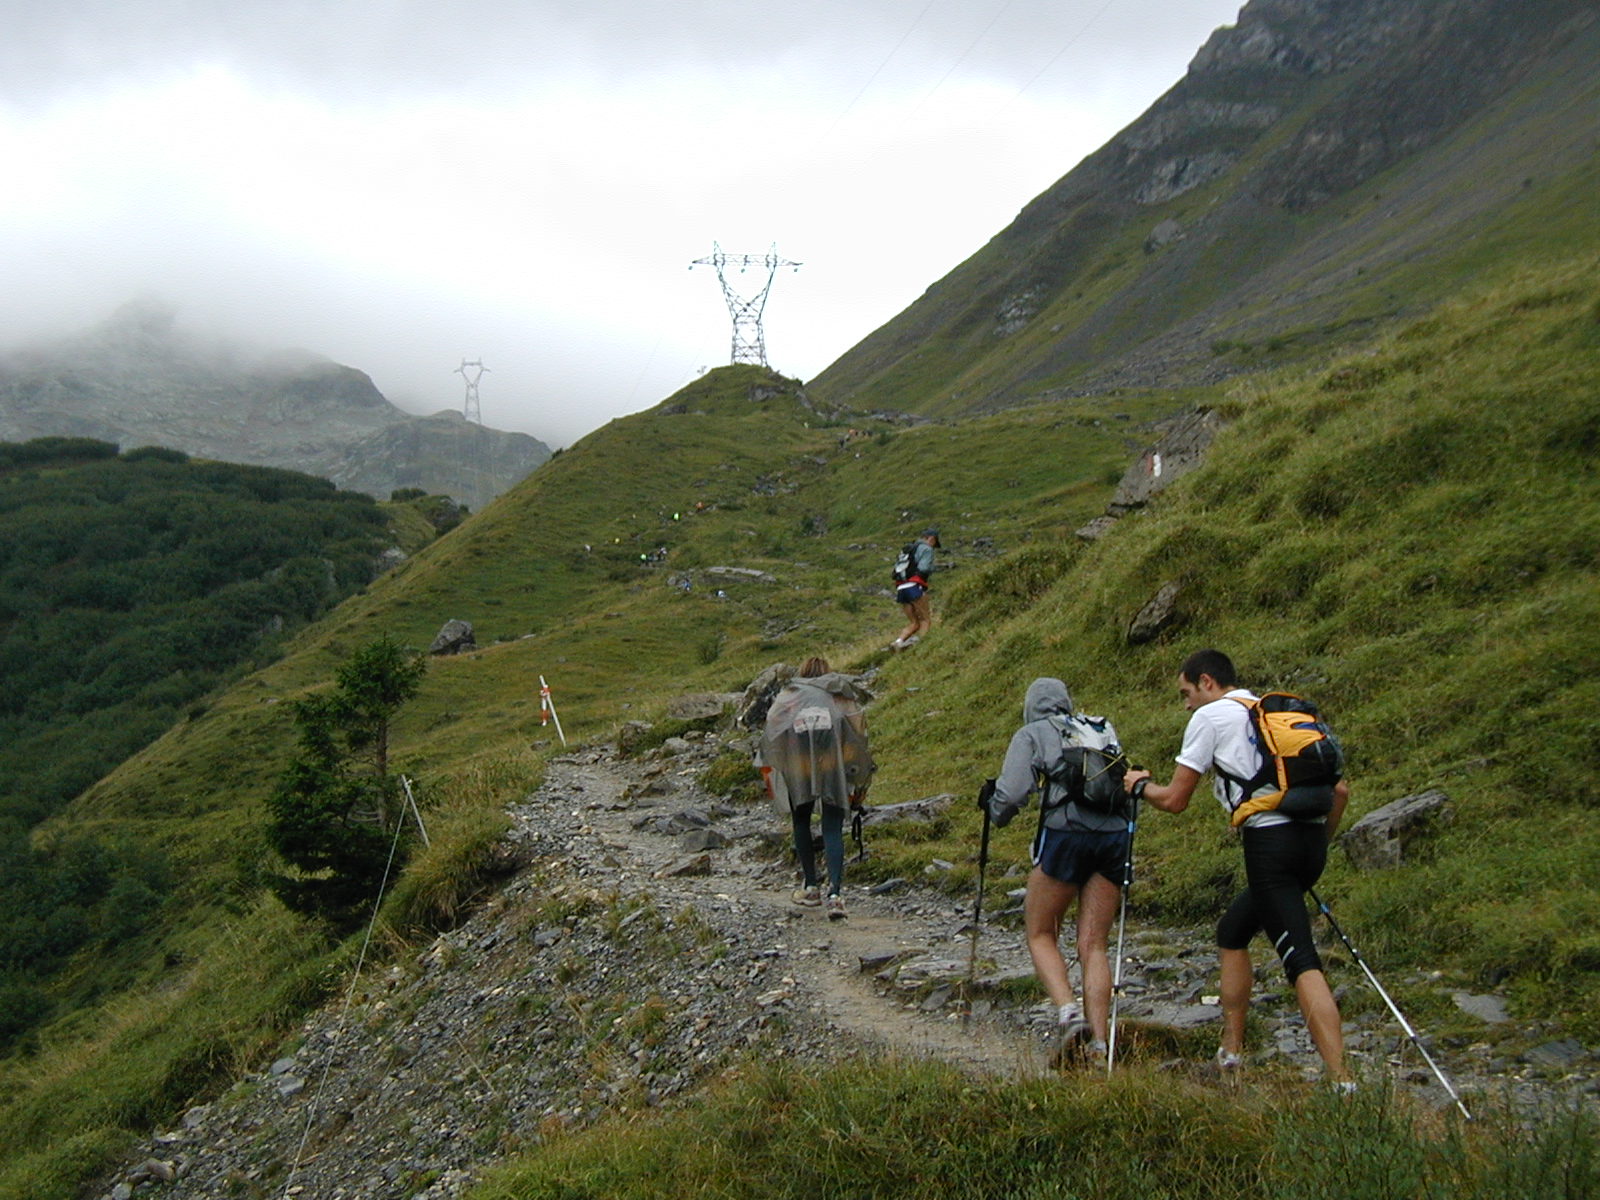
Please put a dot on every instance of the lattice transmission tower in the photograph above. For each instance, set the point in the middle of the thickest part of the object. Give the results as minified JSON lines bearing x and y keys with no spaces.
{"x":472,"y":372}
{"x":749,"y":339}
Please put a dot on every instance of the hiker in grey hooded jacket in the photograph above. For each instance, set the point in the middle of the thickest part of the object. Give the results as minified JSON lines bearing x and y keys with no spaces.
{"x":1078,"y":855}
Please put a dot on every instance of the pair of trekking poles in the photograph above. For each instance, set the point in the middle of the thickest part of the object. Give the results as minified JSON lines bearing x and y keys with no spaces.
{"x":987,"y":791}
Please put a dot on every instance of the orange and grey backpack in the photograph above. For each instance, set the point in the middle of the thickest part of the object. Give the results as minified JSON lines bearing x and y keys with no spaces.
{"x":1301,"y":760}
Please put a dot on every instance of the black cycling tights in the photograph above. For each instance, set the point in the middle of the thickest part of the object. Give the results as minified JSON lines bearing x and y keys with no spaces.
{"x":1281,"y":863}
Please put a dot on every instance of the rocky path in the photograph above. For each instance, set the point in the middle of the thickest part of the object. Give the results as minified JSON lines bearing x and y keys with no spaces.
{"x":649,"y":943}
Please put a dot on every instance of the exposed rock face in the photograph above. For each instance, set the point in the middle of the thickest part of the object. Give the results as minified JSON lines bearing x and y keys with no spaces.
{"x":137,"y":380}
{"x":1180,"y":449}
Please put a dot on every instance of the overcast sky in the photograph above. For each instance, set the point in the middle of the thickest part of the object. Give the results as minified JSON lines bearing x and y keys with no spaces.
{"x":399,"y":185}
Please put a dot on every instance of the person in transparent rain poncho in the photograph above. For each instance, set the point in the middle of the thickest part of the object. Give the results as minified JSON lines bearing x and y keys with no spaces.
{"x":814,"y":756}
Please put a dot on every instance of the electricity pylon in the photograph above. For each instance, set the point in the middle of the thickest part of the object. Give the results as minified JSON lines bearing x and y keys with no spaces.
{"x":472,"y":372}
{"x":749,"y":340}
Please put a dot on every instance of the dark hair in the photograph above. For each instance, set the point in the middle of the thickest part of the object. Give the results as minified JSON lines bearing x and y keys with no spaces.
{"x":813,"y":666}
{"x":1209,"y":662}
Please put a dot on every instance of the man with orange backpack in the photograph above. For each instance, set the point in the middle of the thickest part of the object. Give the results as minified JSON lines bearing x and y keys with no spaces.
{"x":1286,"y":822}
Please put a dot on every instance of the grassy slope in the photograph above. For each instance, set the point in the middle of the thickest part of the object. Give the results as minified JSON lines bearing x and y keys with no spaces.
{"x":1411,"y":535}
{"x":1378,"y":533}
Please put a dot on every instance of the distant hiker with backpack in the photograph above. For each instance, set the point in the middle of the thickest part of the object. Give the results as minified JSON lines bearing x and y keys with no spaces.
{"x":814,"y":753}
{"x":1079,"y":851}
{"x":1287,"y":799}
{"x":912,"y":570}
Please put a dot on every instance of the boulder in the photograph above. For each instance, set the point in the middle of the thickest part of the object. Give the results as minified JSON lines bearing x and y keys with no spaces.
{"x":752,"y":710}
{"x":928,"y":808}
{"x":1159,"y":614}
{"x":1095,"y":529}
{"x":1181,"y":447}
{"x":700,"y":706}
{"x":632,"y":735}
{"x":1380,"y":839}
{"x":453,"y":638}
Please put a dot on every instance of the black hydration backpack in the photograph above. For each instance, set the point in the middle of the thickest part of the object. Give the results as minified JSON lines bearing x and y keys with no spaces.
{"x":1090,"y":770}
{"x":906,"y":565}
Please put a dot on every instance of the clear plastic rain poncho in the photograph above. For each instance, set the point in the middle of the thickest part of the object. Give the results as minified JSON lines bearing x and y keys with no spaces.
{"x":814,"y":747}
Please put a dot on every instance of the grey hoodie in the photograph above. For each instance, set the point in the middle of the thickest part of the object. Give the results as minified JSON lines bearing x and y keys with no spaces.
{"x":1034,"y":749}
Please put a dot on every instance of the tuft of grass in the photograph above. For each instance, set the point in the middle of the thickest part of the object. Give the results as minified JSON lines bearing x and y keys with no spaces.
{"x":921,"y":1130}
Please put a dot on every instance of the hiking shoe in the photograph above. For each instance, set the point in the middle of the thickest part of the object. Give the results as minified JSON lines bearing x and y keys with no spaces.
{"x":836,"y":908}
{"x":1344,"y":1087}
{"x":1074,"y":1028}
{"x":897,"y":644}
{"x":1228,"y":1061}
{"x":810,"y":897}
{"x":910,"y":641}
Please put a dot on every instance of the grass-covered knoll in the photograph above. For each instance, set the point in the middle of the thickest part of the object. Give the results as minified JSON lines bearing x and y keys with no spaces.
{"x":924,"y":1131}
{"x":1410,"y":537}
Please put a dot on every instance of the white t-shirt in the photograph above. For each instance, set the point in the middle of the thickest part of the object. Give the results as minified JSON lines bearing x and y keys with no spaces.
{"x":1219,"y":735}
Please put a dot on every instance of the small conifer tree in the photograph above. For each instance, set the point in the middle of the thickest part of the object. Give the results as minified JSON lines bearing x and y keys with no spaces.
{"x":334,"y":811}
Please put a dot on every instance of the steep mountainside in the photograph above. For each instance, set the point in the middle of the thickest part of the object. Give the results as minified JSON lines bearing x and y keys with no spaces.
{"x":1323,"y":167}
{"x":137,"y":380}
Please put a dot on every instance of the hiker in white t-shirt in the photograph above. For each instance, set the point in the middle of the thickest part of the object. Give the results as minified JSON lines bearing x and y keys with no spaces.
{"x":1283,"y":858}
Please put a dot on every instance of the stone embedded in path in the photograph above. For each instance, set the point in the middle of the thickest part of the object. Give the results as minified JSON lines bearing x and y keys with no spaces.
{"x":1182,"y":1016}
{"x":702,"y":839}
{"x":699,"y":864}
{"x":1486,"y":1008}
{"x":1559,"y":1056}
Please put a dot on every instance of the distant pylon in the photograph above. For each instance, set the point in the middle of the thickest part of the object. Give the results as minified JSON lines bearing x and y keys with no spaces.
{"x":749,"y":339}
{"x":472,"y":372}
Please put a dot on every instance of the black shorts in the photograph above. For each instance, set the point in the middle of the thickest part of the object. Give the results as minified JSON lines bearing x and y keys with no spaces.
{"x":1072,"y":855}
{"x":1281,"y":863}
{"x":909,"y":593}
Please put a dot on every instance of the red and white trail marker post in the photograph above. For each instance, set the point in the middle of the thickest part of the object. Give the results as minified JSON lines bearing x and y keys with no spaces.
{"x":547,"y":709}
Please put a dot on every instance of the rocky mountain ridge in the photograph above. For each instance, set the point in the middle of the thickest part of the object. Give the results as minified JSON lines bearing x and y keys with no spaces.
{"x":1235,"y":211}
{"x":139,"y":379}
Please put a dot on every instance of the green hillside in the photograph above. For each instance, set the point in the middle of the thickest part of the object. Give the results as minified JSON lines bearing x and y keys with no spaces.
{"x":1409,"y":534}
{"x":1262,"y":212}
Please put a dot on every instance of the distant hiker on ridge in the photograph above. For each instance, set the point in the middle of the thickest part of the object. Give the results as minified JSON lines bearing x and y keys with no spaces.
{"x":1079,"y":852}
{"x":1283,"y":854}
{"x":814,"y":749}
{"x":912,"y":570}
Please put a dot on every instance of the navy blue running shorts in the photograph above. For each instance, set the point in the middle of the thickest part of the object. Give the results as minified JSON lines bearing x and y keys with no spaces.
{"x":1071,"y":856}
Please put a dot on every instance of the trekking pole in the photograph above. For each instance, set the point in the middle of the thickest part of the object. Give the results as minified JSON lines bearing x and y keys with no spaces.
{"x":1398,"y":1015}
{"x":1122,"y":920}
{"x":984,"y":793}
